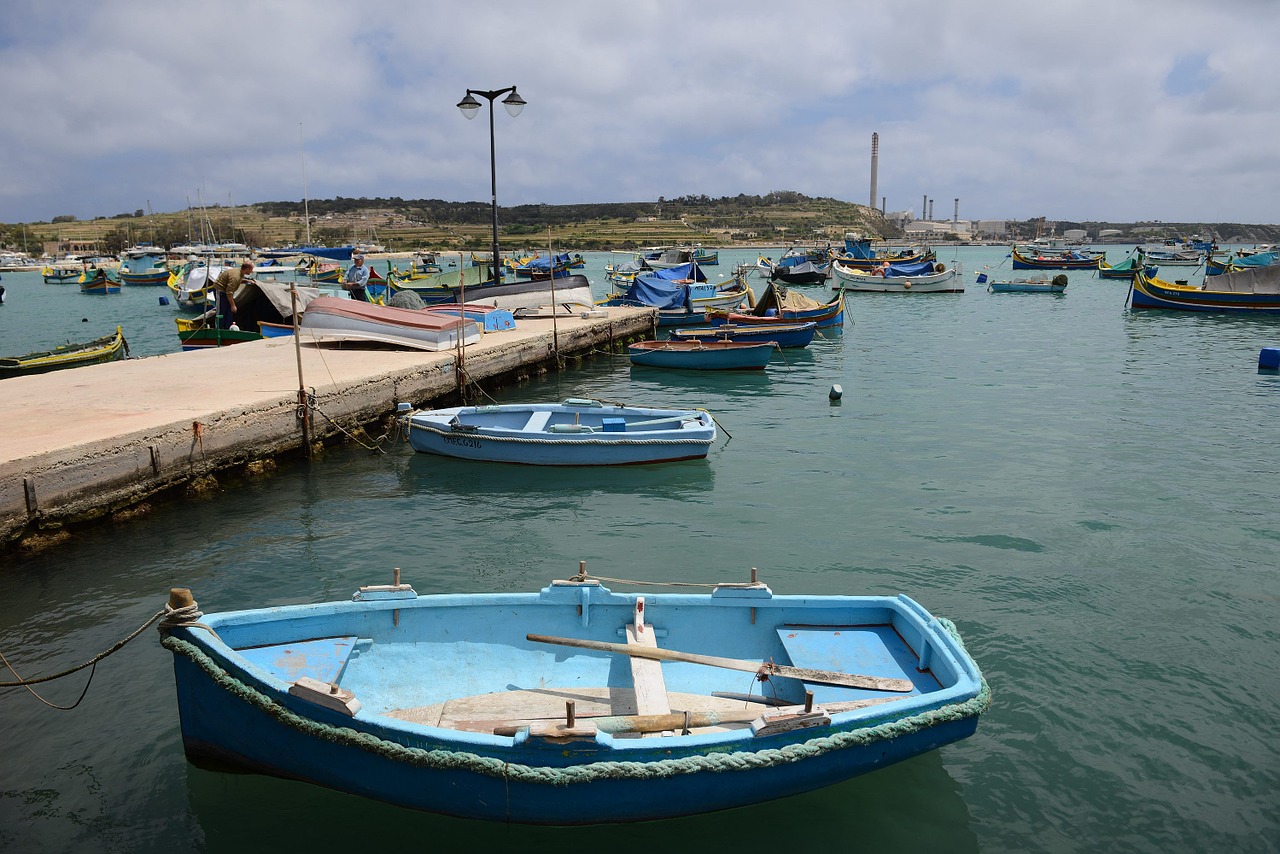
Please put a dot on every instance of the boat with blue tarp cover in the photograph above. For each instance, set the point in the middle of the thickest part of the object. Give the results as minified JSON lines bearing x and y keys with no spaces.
{"x":574,"y":704}
{"x":577,"y":432}
{"x":682,"y":295}
{"x":544,"y":267}
{"x":919,"y":277}
{"x":1126,"y":269}
{"x":1216,"y":266}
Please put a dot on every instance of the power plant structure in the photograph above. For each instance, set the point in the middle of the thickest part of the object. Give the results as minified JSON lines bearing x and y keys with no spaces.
{"x":875,"y":166}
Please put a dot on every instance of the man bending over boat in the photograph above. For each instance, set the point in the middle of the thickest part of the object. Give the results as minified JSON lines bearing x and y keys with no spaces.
{"x":356,"y":278}
{"x":225,"y":287}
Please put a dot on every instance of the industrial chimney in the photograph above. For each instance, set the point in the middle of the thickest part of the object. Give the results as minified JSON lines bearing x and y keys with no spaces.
{"x":955,"y":217}
{"x":875,"y":166}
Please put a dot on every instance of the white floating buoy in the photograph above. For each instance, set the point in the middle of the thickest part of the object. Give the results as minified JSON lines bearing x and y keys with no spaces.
{"x":836,"y":392}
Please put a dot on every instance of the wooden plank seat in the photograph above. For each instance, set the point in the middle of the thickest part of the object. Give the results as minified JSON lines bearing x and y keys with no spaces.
{"x":537,"y":421}
{"x":485,"y":712}
{"x":646,"y":675}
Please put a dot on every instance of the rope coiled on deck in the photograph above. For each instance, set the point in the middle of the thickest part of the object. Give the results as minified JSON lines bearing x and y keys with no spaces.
{"x":715,"y":759}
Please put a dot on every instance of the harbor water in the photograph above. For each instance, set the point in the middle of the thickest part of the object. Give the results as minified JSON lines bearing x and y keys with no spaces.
{"x":1089,"y":493}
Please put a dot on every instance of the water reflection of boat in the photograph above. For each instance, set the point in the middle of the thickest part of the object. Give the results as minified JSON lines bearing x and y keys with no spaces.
{"x":575,"y":487}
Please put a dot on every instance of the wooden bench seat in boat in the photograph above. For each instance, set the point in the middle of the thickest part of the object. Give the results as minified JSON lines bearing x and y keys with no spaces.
{"x":485,"y":712}
{"x":646,"y":675}
{"x":321,"y":659}
{"x":538,"y":421}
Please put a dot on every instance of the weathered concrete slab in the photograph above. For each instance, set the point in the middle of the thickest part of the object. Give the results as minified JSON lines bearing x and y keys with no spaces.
{"x":81,"y":443}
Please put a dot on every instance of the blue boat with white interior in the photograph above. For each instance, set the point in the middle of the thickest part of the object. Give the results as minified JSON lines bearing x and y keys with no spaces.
{"x":574,"y":704}
{"x":577,"y":432}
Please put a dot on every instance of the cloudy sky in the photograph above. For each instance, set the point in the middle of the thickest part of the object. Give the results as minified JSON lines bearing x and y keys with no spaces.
{"x":1115,"y":110}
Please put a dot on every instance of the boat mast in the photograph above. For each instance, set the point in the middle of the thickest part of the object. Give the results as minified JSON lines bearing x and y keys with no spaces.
{"x":306,"y":214}
{"x":551,"y":269}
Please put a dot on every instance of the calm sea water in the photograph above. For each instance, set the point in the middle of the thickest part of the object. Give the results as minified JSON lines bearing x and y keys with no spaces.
{"x":1089,"y":493}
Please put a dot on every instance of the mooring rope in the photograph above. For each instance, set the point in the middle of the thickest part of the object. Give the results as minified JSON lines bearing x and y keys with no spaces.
{"x":172,"y":617}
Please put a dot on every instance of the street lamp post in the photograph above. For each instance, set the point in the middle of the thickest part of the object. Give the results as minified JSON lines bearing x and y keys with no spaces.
{"x":469,"y":107}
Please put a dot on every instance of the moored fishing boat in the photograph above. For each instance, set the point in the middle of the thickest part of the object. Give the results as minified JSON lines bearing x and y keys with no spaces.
{"x":682,"y":295}
{"x":109,"y":348}
{"x":340,"y":320}
{"x":1250,"y":291}
{"x":575,"y":704}
{"x":197,"y":333}
{"x":190,"y":284}
{"x":1064,"y":260}
{"x":1216,"y":265}
{"x":860,"y":253}
{"x":803,"y":273}
{"x":926,"y":277}
{"x":785,"y":335}
{"x":576,"y":432}
{"x":264,"y":309}
{"x":780,"y":304}
{"x":1125,"y":270}
{"x":701,"y":355}
{"x":96,"y":281}
{"x":144,"y":265}
{"x":474,"y":283}
{"x":1038,"y":285}
{"x":58,"y":274}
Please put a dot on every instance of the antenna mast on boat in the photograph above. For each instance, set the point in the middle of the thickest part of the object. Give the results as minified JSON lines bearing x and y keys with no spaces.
{"x":306,"y":214}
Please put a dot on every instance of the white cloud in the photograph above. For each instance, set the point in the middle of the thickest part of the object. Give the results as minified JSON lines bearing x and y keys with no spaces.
{"x":1089,"y":110}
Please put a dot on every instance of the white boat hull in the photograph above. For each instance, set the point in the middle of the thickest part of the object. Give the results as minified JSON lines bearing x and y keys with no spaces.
{"x":946,"y":282}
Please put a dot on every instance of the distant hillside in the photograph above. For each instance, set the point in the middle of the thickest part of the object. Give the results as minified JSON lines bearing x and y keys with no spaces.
{"x":777,"y":218}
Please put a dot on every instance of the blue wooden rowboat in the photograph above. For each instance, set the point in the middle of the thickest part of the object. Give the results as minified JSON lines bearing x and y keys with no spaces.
{"x":782,"y":334}
{"x":574,"y":433}
{"x":701,"y":355}
{"x":535,"y":707}
{"x":1044,"y":285}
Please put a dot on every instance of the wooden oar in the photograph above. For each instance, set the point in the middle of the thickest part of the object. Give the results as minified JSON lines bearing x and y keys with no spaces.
{"x":768,"y":668}
{"x":675,"y":721}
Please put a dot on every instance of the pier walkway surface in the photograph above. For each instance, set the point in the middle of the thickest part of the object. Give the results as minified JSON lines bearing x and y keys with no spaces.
{"x":88,"y":442}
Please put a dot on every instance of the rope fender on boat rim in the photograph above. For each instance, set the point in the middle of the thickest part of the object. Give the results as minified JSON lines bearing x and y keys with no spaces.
{"x":720,"y":760}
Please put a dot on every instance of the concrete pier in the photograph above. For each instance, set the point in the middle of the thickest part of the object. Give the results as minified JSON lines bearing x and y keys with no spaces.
{"x":81,"y":444}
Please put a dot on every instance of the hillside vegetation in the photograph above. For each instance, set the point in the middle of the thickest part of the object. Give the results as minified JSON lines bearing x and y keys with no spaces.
{"x":400,"y":224}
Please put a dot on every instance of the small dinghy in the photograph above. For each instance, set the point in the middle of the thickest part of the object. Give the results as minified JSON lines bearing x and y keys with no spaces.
{"x":577,"y":432}
{"x":701,"y":355}
{"x":575,"y":704}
